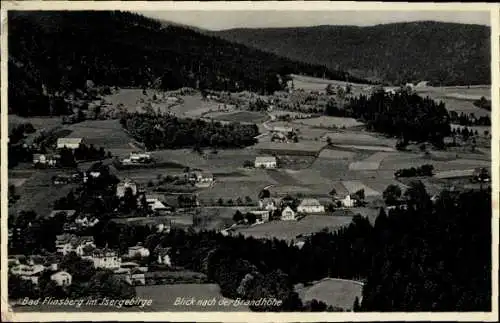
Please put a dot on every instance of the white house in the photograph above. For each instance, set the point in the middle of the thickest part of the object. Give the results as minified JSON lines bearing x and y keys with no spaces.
{"x":202,"y":179}
{"x":62,"y":278}
{"x":347,"y":201}
{"x":164,"y":256}
{"x":44,"y":159}
{"x":310,"y":206}
{"x":123,"y":185}
{"x":106,"y":259}
{"x":266,"y":162}
{"x":66,"y":244}
{"x":71,"y":143}
{"x":287,"y":214}
{"x":138,"y":251}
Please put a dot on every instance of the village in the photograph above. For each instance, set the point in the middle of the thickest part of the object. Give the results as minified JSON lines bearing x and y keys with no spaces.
{"x":298,"y":179}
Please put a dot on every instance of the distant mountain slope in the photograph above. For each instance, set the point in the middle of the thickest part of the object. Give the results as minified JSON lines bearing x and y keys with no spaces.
{"x":446,"y":53}
{"x":60,"y":51}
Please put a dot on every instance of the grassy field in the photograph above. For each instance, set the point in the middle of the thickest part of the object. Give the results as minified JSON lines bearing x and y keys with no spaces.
{"x":354,"y":186}
{"x":330,"y":122}
{"x":289,"y":230}
{"x":238,"y":116}
{"x":300,"y":148}
{"x":103,"y":133}
{"x":164,"y":297}
{"x":308,"y":83}
{"x":37,"y":192}
{"x":370,"y":163}
{"x":329,"y":153}
{"x":335,"y":292}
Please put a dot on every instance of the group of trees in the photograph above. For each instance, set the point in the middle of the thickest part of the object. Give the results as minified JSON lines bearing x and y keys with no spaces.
{"x":483,"y":103}
{"x":469,"y":119}
{"x":170,"y":132}
{"x":404,"y":114}
{"x":424,"y":170}
{"x":39,"y":81}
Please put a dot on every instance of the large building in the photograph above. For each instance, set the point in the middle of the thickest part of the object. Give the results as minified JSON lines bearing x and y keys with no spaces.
{"x":310,"y":206}
{"x":266,"y":162}
{"x":105,"y":258}
{"x":288,"y":214}
{"x":71,"y":143}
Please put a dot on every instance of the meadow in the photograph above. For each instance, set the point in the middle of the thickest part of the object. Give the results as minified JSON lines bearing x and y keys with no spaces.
{"x":335,"y":292}
{"x":289,"y":230}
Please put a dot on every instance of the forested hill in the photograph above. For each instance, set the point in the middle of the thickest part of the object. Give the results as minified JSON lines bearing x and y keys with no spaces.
{"x":62,"y":50}
{"x":447,"y":53}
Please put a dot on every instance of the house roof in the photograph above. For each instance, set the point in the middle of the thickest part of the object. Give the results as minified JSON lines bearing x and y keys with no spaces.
{"x":310,"y":202}
{"x":69,"y":141}
{"x":265,"y":159}
{"x":287,"y":209}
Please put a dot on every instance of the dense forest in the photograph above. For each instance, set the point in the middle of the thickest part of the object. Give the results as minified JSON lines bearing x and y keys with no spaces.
{"x":165,"y":131}
{"x":53,"y":53}
{"x":403,"y":114}
{"x":442,"y":53}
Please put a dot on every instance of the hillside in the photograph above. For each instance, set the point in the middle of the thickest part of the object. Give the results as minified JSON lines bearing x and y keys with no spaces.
{"x":60,"y":51}
{"x":444,"y":53}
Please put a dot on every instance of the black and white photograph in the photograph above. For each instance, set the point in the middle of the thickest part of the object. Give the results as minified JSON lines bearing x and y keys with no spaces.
{"x":271,"y":161}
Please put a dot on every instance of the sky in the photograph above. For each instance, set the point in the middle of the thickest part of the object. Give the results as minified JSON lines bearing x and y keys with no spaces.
{"x":220,"y":20}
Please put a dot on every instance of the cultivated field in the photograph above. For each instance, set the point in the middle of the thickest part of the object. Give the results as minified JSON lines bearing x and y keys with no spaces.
{"x":336,"y":292}
{"x":289,"y":230}
{"x":164,"y":297}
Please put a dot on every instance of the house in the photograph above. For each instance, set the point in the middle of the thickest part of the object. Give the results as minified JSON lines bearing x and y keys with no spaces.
{"x":71,"y":143}
{"x":163,"y":256}
{"x":45,"y":159}
{"x":261,"y":215}
{"x":77,"y":244}
{"x":202,"y":179}
{"x":105,"y":259}
{"x":86,"y":221}
{"x":279,"y":137}
{"x":122,"y":187}
{"x":287,"y":214}
{"x":156,"y":205}
{"x":61,"y":278}
{"x":267,"y":204}
{"x":310,"y":206}
{"x":265,"y":162}
{"x":137,"y":277}
{"x":138,"y":158}
{"x":28,"y":272}
{"x":347,"y":201}
{"x":138,"y":251}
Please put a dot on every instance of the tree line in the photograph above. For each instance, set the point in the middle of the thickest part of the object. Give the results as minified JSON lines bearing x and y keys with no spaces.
{"x":424,"y":170}
{"x":169,"y":132}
